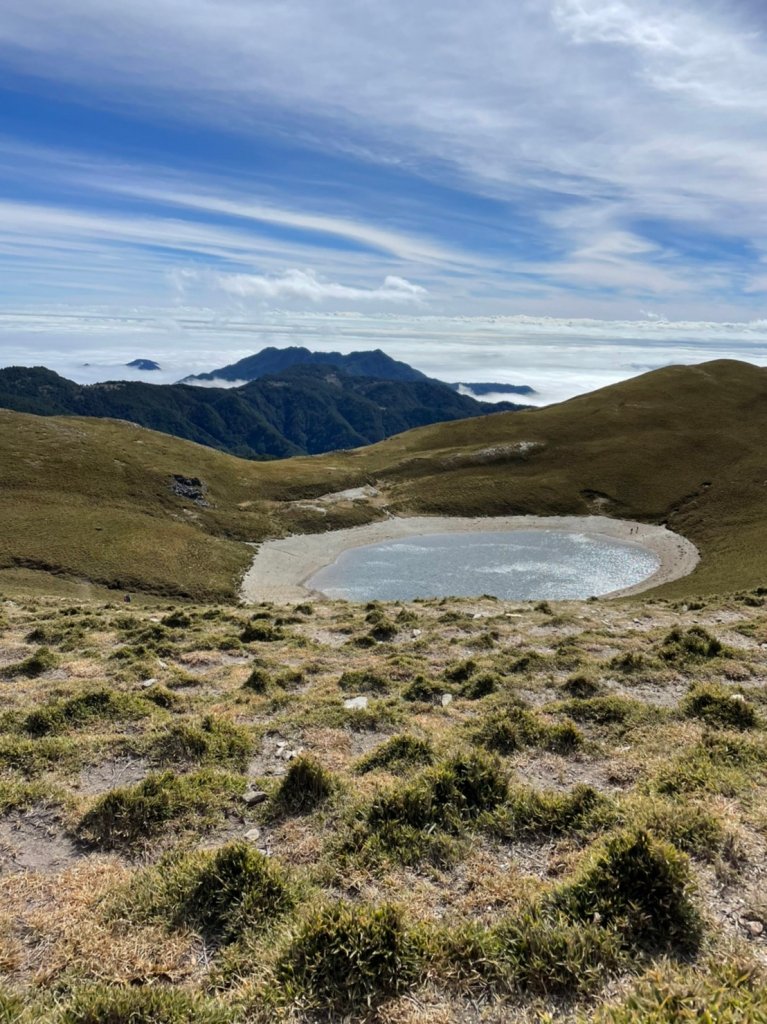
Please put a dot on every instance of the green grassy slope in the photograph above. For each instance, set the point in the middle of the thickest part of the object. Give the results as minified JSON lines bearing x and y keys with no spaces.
{"x":682,"y":445}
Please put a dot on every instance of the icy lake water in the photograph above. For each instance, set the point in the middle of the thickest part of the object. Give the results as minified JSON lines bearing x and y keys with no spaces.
{"x":516,"y":565}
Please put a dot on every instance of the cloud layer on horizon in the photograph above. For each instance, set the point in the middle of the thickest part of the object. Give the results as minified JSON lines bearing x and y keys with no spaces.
{"x":565,"y":158}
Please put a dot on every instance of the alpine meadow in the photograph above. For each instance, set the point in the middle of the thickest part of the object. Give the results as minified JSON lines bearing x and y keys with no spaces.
{"x":383,"y":512}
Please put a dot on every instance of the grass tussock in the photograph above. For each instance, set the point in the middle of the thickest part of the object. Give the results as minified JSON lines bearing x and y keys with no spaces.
{"x":640,"y":886}
{"x":506,"y":730}
{"x":222,"y":894}
{"x":105,"y":1004}
{"x":124,"y":818}
{"x":719,"y":707}
{"x":399,"y":754}
{"x":349,"y":956}
{"x":213,"y":740}
{"x":730,"y":994}
{"x":306,"y":785}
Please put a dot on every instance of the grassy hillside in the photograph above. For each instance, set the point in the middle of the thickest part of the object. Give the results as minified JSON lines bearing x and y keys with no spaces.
{"x":682,"y":445}
{"x":491,"y":813}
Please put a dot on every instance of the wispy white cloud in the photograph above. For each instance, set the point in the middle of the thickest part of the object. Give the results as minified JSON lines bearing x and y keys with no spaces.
{"x":305,"y":284}
{"x":616,"y":128}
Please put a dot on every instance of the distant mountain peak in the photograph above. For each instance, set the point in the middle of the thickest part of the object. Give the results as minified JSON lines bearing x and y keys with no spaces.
{"x":143,"y":364}
{"x":372,"y":363}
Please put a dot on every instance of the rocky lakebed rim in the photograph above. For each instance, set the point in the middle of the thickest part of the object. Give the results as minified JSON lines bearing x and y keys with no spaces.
{"x":281,"y":568}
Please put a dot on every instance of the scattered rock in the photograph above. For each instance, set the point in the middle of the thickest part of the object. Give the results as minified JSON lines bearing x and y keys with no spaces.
{"x":191,"y":488}
{"x":356,"y":703}
{"x":147,"y":683}
{"x":253,"y":797}
{"x":417,"y":633}
{"x":738,"y":698}
{"x":252,"y":835}
{"x":754,"y":928}
{"x":447,"y":698}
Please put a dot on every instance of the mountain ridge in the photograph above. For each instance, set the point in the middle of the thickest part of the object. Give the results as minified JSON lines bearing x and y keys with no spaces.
{"x":302,"y":410}
{"x":683,"y":446}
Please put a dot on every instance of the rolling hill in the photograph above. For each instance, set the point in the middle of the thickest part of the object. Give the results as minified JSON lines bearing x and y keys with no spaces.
{"x":304,"y":410}
{"x":94,"y":499}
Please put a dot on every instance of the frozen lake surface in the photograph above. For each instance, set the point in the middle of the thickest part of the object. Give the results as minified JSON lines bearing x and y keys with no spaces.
{"x":514,"y":565}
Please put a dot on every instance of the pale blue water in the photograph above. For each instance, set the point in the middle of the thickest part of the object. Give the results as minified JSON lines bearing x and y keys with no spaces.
{"x":517,"y":565}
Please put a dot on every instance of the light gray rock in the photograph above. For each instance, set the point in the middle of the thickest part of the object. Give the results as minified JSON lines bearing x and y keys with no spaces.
{"x":356,"y":703}
{"x":254,"y":797}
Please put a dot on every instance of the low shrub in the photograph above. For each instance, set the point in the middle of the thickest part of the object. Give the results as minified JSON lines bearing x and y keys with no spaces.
{"x":258,"y":681}
{"x":529,"y":662}
{"x":512,"y":728}
{"x":220,"y":893}
{"x":383,"y":631}
{"x":461,"y":671}
{"x":726,"y":994}
{"x":630,"y":662}
{"x":607,"y":710}
{"x":346,"y":957}
{"x":396,"y":755}
{"x":447,"y":795}
{"x":177,"y":619}
{"x":551,"y":956}
{"x":721,"y":762}
{"x":423,"y":689}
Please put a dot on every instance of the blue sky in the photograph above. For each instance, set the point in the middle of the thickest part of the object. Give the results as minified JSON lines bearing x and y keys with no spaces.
{"x":560,"y":192}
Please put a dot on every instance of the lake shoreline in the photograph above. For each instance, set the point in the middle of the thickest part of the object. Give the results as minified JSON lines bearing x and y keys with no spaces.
{"x":281,"y":568}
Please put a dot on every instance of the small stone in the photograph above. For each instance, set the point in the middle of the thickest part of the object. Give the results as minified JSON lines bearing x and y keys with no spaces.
{"x":738,"y":698}
{"x":253,"y":797}
{"x":356,"y":703}
{"x":252,"y":835}
{"x":447,"y":698}
{"x":291,"y":755}
{"x":147,"y":683}
{"x":417,"y":633}
{"x":478,"y":615}
{"x":755,"y":928}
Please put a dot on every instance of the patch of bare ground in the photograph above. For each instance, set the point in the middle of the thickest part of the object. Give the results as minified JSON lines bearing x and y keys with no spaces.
{"x":35,"y":840}
{"x":544,"y":771}
{"x":112,"y":774}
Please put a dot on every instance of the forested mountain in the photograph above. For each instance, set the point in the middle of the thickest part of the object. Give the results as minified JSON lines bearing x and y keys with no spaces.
{"x":303,"y":410}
